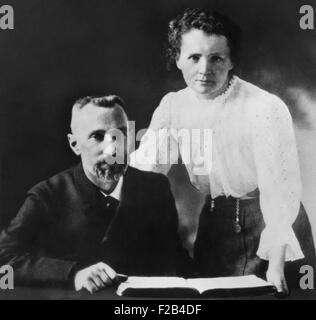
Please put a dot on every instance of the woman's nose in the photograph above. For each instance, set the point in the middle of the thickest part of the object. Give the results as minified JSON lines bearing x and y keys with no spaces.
{"x":204,"y":66}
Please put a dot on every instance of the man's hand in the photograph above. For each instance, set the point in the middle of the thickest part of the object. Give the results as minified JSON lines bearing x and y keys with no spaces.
{"x":275,"y":273}
{"x":95,"y":277}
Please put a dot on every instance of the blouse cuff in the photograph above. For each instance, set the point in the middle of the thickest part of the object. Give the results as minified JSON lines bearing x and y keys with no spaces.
{"x":271,"y":238}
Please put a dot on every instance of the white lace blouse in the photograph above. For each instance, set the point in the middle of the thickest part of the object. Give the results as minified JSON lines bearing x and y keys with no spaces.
{"x":253,"y":146}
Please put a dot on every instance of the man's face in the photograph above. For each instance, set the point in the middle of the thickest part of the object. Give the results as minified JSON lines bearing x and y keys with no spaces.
{"x":99,"y":137}
{"x":205,"y":63}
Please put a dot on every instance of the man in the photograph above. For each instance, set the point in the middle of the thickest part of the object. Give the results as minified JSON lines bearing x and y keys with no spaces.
{"x":85,"y":224}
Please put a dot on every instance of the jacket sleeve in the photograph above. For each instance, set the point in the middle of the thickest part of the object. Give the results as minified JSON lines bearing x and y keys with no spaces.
{"x":20,"y":248}
{"x":178,"y":255}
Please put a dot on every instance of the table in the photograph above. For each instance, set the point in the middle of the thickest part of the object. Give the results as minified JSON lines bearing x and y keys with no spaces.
{"x":33,"y":293}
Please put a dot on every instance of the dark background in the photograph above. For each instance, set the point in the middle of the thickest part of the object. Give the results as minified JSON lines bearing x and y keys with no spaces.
{"x":62,"y":50}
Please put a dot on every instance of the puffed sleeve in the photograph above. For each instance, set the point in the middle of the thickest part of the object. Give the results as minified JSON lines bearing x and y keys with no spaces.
{"x":278,"y":176}
{"x":158,"y":148}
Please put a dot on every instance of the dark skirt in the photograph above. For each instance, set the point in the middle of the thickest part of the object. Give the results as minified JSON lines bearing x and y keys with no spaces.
{"x":223,"y":249}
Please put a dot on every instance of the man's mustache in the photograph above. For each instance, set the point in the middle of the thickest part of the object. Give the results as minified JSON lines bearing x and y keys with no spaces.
{"x":105,"y":164}
{"x":114,"y":159}
{"x":110,"y":171}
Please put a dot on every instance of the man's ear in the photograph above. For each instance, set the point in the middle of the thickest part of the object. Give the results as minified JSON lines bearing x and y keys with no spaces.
{"x":73,"y":143}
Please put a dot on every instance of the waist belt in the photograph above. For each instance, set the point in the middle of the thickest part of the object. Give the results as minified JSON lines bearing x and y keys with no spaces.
{"x":230,"y":201}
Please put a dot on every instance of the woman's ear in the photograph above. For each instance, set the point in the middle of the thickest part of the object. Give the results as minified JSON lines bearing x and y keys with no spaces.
{"x":231,"y":66}
{"x":178,"y":64}
{"x":73,"y":143}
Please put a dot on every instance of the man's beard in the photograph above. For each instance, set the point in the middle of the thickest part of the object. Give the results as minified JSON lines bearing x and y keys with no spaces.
{"x":109,"y":172}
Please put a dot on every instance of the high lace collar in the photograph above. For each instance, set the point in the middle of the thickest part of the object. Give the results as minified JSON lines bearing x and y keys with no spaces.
{"x":221,"y":97}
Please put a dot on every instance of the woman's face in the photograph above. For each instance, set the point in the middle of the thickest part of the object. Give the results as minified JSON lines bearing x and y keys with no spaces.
{"x":205,"y":63}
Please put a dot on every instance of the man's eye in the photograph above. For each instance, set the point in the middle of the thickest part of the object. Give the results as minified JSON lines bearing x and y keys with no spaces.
{"x":97,"y":137}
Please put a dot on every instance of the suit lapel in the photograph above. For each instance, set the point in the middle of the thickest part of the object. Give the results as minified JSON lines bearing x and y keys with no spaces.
{"x":130,"y":205}
{"x":132,"y":200}
{"x":89,"y":193}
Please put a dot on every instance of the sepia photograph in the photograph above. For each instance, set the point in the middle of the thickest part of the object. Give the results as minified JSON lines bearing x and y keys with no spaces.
{"x":159,"y":151}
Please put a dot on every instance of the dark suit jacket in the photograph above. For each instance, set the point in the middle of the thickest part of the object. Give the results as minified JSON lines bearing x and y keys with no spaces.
{"x":63,"y":224}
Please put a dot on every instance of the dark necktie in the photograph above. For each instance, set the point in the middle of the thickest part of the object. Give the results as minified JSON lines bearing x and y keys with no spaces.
{"x":111,"y":203}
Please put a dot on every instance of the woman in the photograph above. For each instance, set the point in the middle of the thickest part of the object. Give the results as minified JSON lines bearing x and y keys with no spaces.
{"x":253,"y":186}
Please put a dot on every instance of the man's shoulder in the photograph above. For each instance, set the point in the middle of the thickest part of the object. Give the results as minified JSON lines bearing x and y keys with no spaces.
{"x":150,"y":190}
{"x":56,"y":183}
{"x":147,"y":177}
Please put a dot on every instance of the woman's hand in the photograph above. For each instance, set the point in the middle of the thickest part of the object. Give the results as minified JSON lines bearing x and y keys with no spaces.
{"x":275,"y":273}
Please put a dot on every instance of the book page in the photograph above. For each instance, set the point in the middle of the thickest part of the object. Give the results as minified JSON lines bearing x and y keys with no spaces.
{"x":204,"y":284}
{"x":200,"y":284}
{"x":152,"y":283}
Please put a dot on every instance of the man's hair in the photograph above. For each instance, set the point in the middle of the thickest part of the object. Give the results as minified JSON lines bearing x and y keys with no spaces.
{"x":211,"y":22}
{"x":108,"y":101}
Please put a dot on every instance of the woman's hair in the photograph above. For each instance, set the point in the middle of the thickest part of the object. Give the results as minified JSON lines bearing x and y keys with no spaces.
{"x":211,"y":22}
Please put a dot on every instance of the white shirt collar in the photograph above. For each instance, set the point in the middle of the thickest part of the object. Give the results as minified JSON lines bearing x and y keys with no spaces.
{"x":116,"y":193}
{"x":223,"y":96}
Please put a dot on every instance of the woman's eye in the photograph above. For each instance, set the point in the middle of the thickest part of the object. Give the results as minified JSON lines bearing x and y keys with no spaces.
{"x":194,"y":58}
{"x":216,"y":59}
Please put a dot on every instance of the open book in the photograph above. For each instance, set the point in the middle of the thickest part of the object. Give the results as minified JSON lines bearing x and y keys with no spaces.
{"x":180,"y":287}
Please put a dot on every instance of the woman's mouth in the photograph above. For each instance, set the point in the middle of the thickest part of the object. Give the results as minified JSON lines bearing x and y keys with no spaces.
{"x":204,"y":82}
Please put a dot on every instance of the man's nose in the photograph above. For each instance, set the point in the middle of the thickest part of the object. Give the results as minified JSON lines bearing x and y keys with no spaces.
{"x":109,"y":147}
{"x":109,"y":150}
